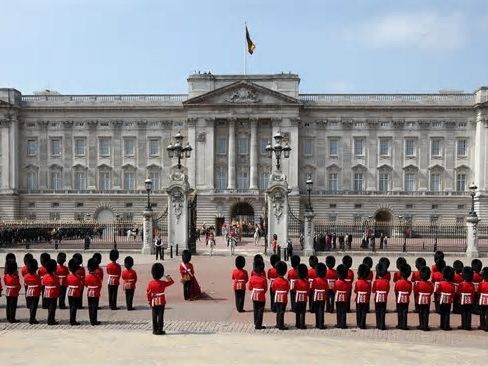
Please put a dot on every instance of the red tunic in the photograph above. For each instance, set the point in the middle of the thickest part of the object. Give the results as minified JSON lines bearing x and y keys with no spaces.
{"x":403,"y":289}
{"x":80,"y":272}
{"x":272,"y":275}
{"x":483,"y":291}
{"x":62,"y":272}
{"x":292,"y":276}
{"x":24,"y":270}
{"x":331,"y":277}
{"x":397,"y":276}
{"x":302,"y":287}
{"x":74,"y":285}
{"x":477,"y":278}
{"x":12,"y":285}
{"x":415,"y":277}
{"x":433,"y":268}
{"x":113,"y":272}
{"x":258,"y":285}
{"x":445,"y":289}
{"x":466,"y":293}
{"x":458,"y":278}
{"x":437,"y":277}
{"x":155,"y":292}
{"x":424,"y":291}
{"x":319,"y":287}
{"x":350,"y":276}
{"x":41,"y":272}
{"x":33,"y":284}
{"x":130,"y":278}
{"x":99,"y":273}
{"x":387,"y":276}
{"x":51,"y":286}
{"x":381,"y":287}
{"x":93,"y":284}
{"x":240,"y":278}
{"x":189,"y":270}
{"x":342,"y":289}
{"x":263,"y":274}
{"x":362,"y":289}
{"x":281,"y":287}
{"x":370,"y":277}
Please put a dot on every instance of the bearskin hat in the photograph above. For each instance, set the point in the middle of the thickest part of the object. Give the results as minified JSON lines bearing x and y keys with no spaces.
{"x":386,"y":262}
{"x":114,"y":255}
{"x":312,"y":261}
{"x":330,"y":261}
{"x":468,"y":274}
{"x":405,"y":270}
{"x":186,"y":256}
{"x":44,"y":258}
{"x":98,"y":257}
{"x":424,"y":273}
{"x":458,"y":266}
{"x":32,"y":266}
{"x":347,"y":261}
{"x":73,"y":265}
{"x":275,"y":258}
{"x":448,"y":273}
{"x":157,"y":271}
{"x":363,"y":271}
{"x":27,"y":258}
{"x":368,"y":261}
{"x":51,"y":265}
{"x":420,"y":263}
{"x":61,"y":258}
{"x":321,"y":270}
{"x":302,"y":271}
{"x":281,"y":268}
{"x":476,"y":265}
{"x":341,"y":272}
{"x":92,"y":264}
{"x":381,"y":269}
{"x":128,"y":262}
{"x":240,"y":262}
{"x":295,"y":261}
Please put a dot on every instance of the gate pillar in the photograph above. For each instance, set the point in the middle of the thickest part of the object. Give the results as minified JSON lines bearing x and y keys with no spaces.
{"x":178,"y":192}
{"x":277,"y":198}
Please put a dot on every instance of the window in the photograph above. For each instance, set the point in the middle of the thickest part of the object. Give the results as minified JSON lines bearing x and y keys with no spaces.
{"x":359,"y":147}
{"x":384,"y":147}
{"x":31,"y":205}
{"x":333,"y":185}
{"x":461,"y":182}
{"x":31,"y":147}
{"x":155,"y":177}
{"x":333,"y":147}
{"x":332,"y":205}
{"x":80,"y":146}
{"x":461,"y":148}
{"x":221,"y":178}
{"x":221,"y":146}
{"x":154,"y":149}
{"x":80,"y":180}
{"x":79,"y":204}
{"x":55,"y":204}
{"x":435,"y":148}
{"x":242,"y":146}
{"x":263,"y":179}
{"x":32,"y":180}
{"x":55,"y":179}
{"x":460,"y":220}
{"x":408,"y":206}
{"x":410,"y":147}
{"x":435,"y":182}
{"x":358,"y":205}
{"x":104,"y":146}
{"x":104,"y":180}
{"x":435,"y":206}
{"x":358,"y":182}
{"x":332,"y":218}
{"x":243,"y":180}
{"x":129,"y":147}
{"x":434,"y":220}
{"x":384,"y":182}
{"x":55,"y":147}
{"x":54,"y":216}
{"x":262,"y":146}
{"x":409,"y":182}
{"x":461,"y":207}
{"x":357,"y":219}
{"x":307,"y":147}
{"x":129,"y":180}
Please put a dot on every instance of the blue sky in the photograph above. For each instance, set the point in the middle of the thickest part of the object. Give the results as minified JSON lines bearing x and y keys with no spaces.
{"x":151,"y":46}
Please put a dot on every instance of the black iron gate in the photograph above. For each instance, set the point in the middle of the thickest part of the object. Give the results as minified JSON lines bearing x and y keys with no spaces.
{"x":160,"y":226}
{"x":295,"y":225}
{"x":192,"y":224}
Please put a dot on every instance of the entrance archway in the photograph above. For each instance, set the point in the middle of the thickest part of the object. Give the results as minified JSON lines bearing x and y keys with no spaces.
{"x":383,"y":216}
{"x":383,"y":219}
{"x":105,"y":216}
{"x":243,"y":214}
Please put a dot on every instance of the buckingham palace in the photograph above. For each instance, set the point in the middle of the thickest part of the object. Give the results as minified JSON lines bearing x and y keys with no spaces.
{"x":369,"y":155}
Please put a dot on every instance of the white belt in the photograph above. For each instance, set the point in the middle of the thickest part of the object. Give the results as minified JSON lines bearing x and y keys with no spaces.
{"x":277,"y":292}
{"x":72,"y":286}
{"x":159,"y":294}
{"x":116,"y":276}
{"x":32,"y":286}
{"x":402,"y":295}
{"x":92,"y":286}
{"x":62,"y":276}
{"x":50,"y":286}
{"x":11,"y":286}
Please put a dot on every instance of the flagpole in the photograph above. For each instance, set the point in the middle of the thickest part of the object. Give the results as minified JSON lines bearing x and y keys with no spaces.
{"x":245,"y":52}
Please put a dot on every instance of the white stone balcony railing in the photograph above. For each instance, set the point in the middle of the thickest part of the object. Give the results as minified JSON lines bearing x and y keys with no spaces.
{"x":387,"y":193}
{"x":88,"y":191}
{"x":127,"y":99}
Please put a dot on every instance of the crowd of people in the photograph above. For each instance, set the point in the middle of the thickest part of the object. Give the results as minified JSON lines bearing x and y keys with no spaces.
{"x":323,"y":287}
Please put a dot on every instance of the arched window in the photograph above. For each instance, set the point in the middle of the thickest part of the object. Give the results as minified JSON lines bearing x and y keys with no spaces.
{"x":56,"y":178}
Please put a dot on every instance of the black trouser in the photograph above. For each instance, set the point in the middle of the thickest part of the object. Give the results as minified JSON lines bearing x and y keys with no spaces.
{"x":240,"y":296}
{"x":52,"y":304}
{"x":280,"y":315}
{"x":380,"y":310}
{"x":32,"y":303}
{"x":158,"y":318}
{"x":416,"y":302}
{"x":341,"y":312}
{"x":159,"y":252}
{"x":258,"y":308}
{"x":93,"y":309}
{"x":484,"y":317}
{"x":330,"y":301}
{"x":319,"y":314}
{"x":74,"y":304}
{"x":456,"y":305}
{"x":62,"y":297}
{"x":424,"y":312}
{"x":112,"y":296}
{"x":311,"y":303}
{"x":43,"y":301}
{"x":445,"y":311}
{"x":187,"y":290}
{"x":11,"y":308}
{"x":293,"y":295}
{"x":272,"y":295}
{"x":129,"y":297}
{"x":361,"y":311}
{"x":300,"y":310}
{"x":402,"y":311}
{"x":80,"y":302}
{"x":436,"y":303}
{"x":466,"y":311}
{"x":348,"y":303}
{"x":476,"y":306}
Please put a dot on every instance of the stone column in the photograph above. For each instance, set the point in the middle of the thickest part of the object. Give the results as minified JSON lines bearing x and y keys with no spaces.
{"x":147,"y":227}
{"x":5,"y":146}
{"x":178,"y":191}
{"x":253,"y":155}
{"x":472,"y":236}
{"x":277,"y":197}
{"x":308,"y":248}
{"x":231,"y":175}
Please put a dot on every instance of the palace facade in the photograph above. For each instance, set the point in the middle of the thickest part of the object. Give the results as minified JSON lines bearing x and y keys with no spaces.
{"x":369,"y":155}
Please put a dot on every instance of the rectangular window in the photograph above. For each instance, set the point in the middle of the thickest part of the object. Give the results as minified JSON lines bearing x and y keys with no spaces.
{"x":409,"y":182}
{"x":129,"y":181}
{"x":332,"y":205}
{"x":263,"y":180}
{"x":54,"y":216}
{"x":262,"y":146}
{"x":129,"y":147}
{"x":154,"y":149}
{"x":359,"y":147}
{"x":435,"y":182}
{"x":80,"y":146}
{"x":384,"y":147}
{"x":104,"y":181}
{"x":460,"y":220}
{"x":243,"y":180}
{"x":221,"y":146}
{"x":333,"y":184}
{"x":221,"y":179}
{"x":357,"y":219}
{"x":333,"y":147}
{"x":104,"y":146}
{"x":410,"y":147}
{"x":461,"y":182}
{"x":307,"y":147}
{"x":32,"y":147}
{"x":435,"y":148}
{"x":408,"y":206}
{"x":156,"y":180}
{"x":358,"y":205}
{"x":461,"y":148}
{"x":435,"y":206}
{"x":55,"y":147}
{"x":32,"y":181}
{"x":384,"y":183}
{"x":55,"y":180}
{"x":358,"y":182}
{"x":80,"y":181}
{"x":243,"y":146}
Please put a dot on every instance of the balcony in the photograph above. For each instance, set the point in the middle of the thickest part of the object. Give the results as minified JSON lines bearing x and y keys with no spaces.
{"x":382,"y":193}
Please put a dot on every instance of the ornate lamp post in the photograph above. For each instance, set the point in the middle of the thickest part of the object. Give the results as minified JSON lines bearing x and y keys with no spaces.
{"x":177,"y":149}
{"x":309,"y":184}
{"x":148,"y":185}
{"x":278,"y":148}
{"x":472,"y":226}
{"x":402,"y":225}
{"x":472,"y":188}
{"x":116,"y":220}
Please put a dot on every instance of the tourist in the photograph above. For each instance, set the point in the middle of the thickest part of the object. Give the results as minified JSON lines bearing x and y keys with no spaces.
{"x":240,"y":278}
{"x":274,"y":244}
{"x":158,"y":245}
{"x":281,"y":287}
{"x":156,"y":297}
{"x":130,"y":278}
{"x":113,"y":271}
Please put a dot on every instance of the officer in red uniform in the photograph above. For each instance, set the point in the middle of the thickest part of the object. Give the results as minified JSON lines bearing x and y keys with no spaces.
{"x":381,"y":288}
{"x":239,"y":279}
{"x":62,"y":272}
{"x":423,"y":290}
{"x":302,"y":288}
{"x":272,"y":275}
{"x":51,"y":291}
{"x":369,"y":262}
{"x":439,"y":254}
{"x":347,"y":262}
{"x":156,"y":297}
{"x":259,"y":258}
{"x":80,"y":272}
{"x":458,"y":278}
{"x":75,"y":285}
{"x":403,"y":289}
{"x":281,"y":287}
{"x":399,"y":262}
{"x":466,"y":298}
{"x":12,"y":288}
{"x":331,"y":277}
{"x":476,"y":265}
{"x":312,"y":261}
{"x":320,"y":287}
{"x":342,"y":289}
{"x":24,"y":271}
{"x":292,"y":277}
{"x":258,"y":285}
{"x":113,"y":272}
{"x":32,"y":282}
{"x":419,"y":264}
{"x":42,"y":271}
{"x":362,"y":289}
{"x":445,"y":291}
{"x":93,"y":284}
{"x":129,"y":276}
{"x":437,"y":277}
{"x":99,"y":270}
{"x":483,"y":300}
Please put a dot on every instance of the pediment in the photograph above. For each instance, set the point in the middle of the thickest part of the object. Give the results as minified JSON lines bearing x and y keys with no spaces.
{"x":436,"y":167}
{"x":242,"y":93}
